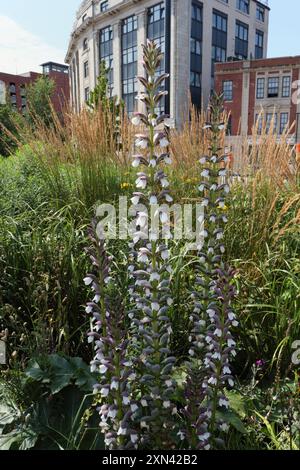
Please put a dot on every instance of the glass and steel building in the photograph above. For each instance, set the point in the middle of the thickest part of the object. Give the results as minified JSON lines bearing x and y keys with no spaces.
{"x":193,"y":35}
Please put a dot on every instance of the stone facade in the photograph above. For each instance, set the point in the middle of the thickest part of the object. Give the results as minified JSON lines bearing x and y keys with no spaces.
{"x":84,"y":43}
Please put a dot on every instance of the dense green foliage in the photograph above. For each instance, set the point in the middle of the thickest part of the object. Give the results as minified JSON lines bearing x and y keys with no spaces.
{"x":42,"y":297}
{"x":8,"y":129}
{"x":39,"y":96}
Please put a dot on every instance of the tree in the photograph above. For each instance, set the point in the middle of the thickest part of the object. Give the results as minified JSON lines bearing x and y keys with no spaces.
{"x":8,"y":129}
{"x":39,"y":96}
{"x":101,"y":97}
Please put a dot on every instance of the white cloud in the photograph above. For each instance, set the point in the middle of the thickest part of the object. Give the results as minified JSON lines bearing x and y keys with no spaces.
{"x":22,"y":51}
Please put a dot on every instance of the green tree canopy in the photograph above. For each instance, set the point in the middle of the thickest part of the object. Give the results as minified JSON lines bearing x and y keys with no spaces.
{"x":39,"y":96}
{"x":8,"y":129}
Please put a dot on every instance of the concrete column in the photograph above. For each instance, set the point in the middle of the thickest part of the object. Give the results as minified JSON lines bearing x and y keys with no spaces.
{"x":206,"y":52}
{"x":173,"y":61}
{"x":183,"y":20}
{"x":117,"y":91}
{"x":95,"y":58}
{"x":245,"y":98}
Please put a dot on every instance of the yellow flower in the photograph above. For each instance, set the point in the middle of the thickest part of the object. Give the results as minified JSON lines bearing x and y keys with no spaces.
{"x":223,"y":208}
{"x":125,"y":185}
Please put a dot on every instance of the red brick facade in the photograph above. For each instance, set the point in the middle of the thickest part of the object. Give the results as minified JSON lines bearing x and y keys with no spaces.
{"x":247,"y":102}
{"x":15,"y":85}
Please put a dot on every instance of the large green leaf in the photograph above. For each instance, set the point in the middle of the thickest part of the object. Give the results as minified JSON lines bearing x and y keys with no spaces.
{"x":233,"y":419}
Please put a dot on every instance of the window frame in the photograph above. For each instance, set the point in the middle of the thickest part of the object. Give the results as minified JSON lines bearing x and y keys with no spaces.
{"x":227,"y":92}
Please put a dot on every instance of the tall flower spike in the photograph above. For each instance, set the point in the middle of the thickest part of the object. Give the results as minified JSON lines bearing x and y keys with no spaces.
{"x":150,"y":270}
{"x":110,"y":344}
{"x":209,"y":327}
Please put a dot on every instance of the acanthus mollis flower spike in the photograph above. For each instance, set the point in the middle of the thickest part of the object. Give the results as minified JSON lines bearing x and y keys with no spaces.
{"x":150,"y":273}
{"x":110,"y":343}
{"x":210,"y":334}
{"x":219,"y":351}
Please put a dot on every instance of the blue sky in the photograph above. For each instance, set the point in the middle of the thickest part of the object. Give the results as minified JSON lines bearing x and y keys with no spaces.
{"x":33,"y":31}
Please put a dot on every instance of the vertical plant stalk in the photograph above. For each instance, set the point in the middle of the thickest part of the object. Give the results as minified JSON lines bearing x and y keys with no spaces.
{"x":108,"y":335}
{"x":150,"y":291}
{"x":212,"y":318}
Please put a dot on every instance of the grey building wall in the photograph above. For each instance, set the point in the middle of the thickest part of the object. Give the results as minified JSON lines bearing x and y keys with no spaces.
{"x":84,"y":44}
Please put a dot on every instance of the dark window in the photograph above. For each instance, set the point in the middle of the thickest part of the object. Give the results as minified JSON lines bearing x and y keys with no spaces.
{"x":86,"y":69}
{"x":195,"y":80}
{"x":273,"y":87}
{"x":86,"y":94}
{"x":286,"y":87}
{"x":129,"y":62}
{"x":84,"y":18}
{"x":260,"y":88}
{"x":85,"y":44}
{"x":228,"y":90}
{"x":104,"y":6}
{"x":12,"y":88}
{"x":243,"y":5}
{"x":260,"y":13}
{"x":197,"y":12}
{"x":259,"y":44}
{"x":23,"y":91}
{"x":284,"y":120}
{"x":156,"y":32}
{"x":241,"y":40}
{"x":229,"y":125}
{"x":219,"y":21}
{"x":219,"y":38}
{"x":196,"y":54}
{"x":218,"y":54}
{"x":106,"y":53}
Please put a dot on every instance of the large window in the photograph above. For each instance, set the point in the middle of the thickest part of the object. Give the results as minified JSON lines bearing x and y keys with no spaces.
{"x":85,"y":44}
{"x":271,"y":120}
{"x":106,"y":53}
{"x":129,"y":62}
{"x":219,"y":21}
{"x":241,"y":40}
{"x":243,"y":5}
{"x":219,"y":38}
{"x":259,"y":44}
{"x":104,"y":6}
{"x":260,"y":13}
{"x":196,"y":54}
{"x":228,"y":90}
{"x":156,"y":32}
{"x":284,"y":120}
{"x":273,"y":87}
{"x":260,"y":88}
{"x":86,"y":94}
{"x":86,"y":69}
{"x":286,"y":87}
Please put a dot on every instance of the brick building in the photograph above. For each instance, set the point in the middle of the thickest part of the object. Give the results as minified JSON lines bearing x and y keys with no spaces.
{"x":13,"y":87}
{"x":261,"y":89}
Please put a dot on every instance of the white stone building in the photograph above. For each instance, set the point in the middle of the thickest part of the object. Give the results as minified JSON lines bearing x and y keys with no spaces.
{"x":193,"y":34}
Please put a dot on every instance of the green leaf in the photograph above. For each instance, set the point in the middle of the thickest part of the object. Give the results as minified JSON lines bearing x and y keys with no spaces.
{"x":8,"y":440}
{"x":237,"y":403}
{"x":8,"y":414}
{"x":61,"y":373}
{"x":232,"y":418}
{"x":35,"y":372}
